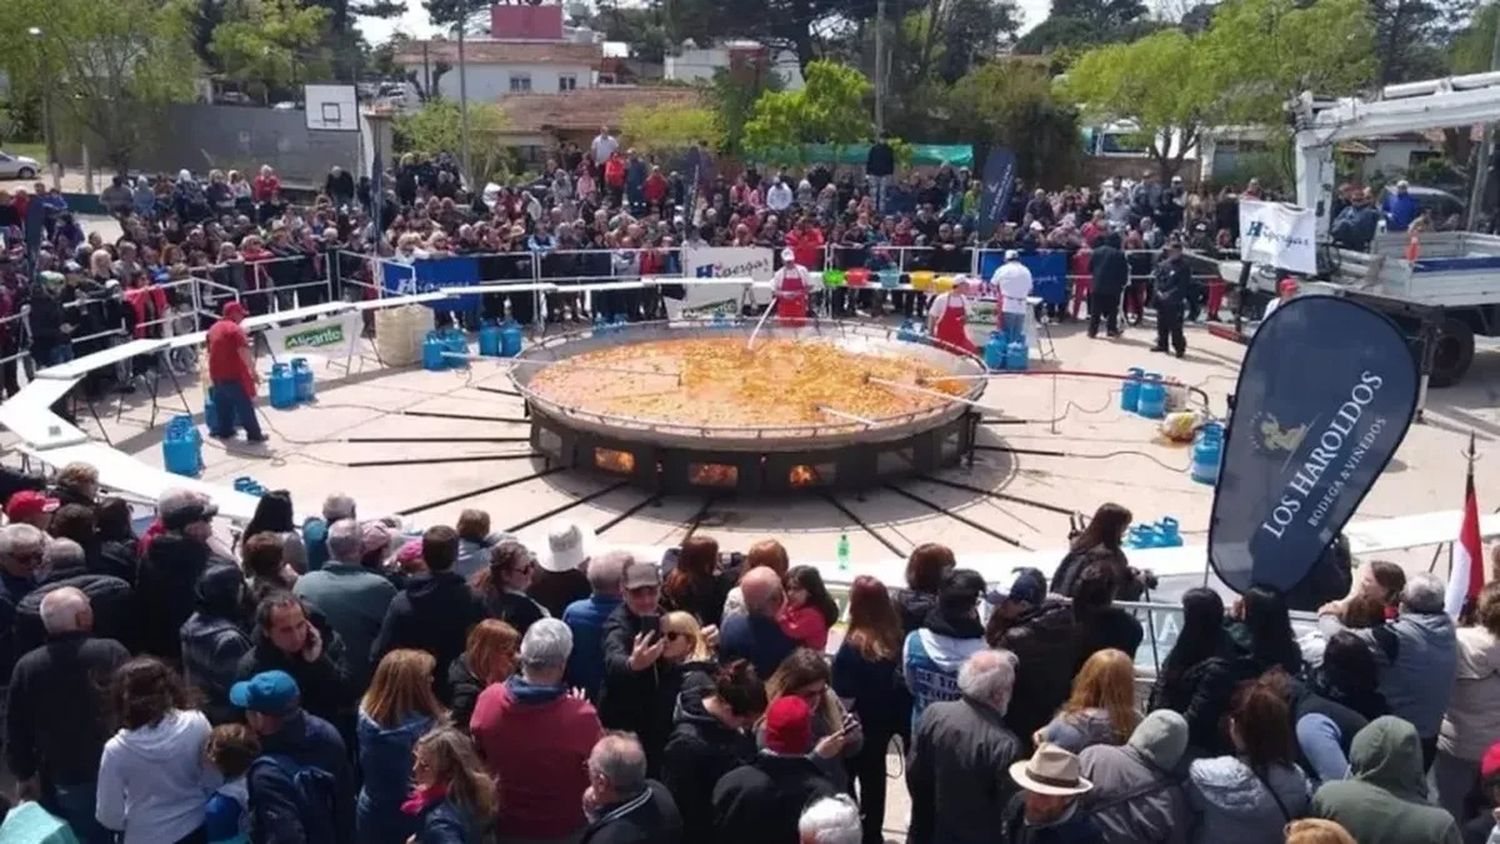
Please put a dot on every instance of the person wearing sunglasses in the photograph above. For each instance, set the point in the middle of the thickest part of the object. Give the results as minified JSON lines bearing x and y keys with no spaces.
{"x":502,"y":586}
{"x":636,"y":678}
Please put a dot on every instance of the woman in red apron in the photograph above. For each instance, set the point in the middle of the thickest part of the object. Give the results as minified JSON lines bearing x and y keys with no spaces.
{"x":950,"y":312}
{"x":790,"y":286}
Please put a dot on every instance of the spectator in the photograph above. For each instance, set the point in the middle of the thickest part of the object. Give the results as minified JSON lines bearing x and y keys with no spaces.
{"x":1259,"y":639}
{"x":839,"y":735}
{"x":767,"y":553}
{"x":398,"y":708}
{"x":809,"y":611}
{"x":315,"y":528}
{"x":474,"y":542}
{"x":170,"y":569}
{"x":31,"y":507}
{"x":586,"y":619}
{"x":1101,"y":624}
{"x":1101,"y":709}
{"x":561,"y":574}
{"x":273,"y":514}
{"x":77,"y":483}
{"x":302,"y":788}
{"x":925,"y":569}
{"x":1042,"y":635}
{"x":961,"y":752}
{"x":266,"y":570}
{"x":454,"y":798}
{"x":152,"y":773}
{"x":709,"y":740}
{"x":112,"y":605}
{"x":214,"y":640}
{"x":756,"y":635}
{"x":1400,"y":208}
{"x":867,"y":674}
{"x":1196,"y":648}
{"x":435,"y":611}
{"x":634,"y":671}
{"x":1100,"y":543}
{"x":339,"y":186}
{"x":56,"y":726}
{"x":352,"y":598}
{"x":232,"y":749}
{"x":1385,"y":799}
{"x":1137,"y":795}
{"x":1480,"y":829}
{"x":931,"y":656}
{"x":75,"y":522}
{"x":117,"y":541}
{"x":489,"y":657}
{"x":536,"y":739}
{"x":693,"y":584}
{"x":1172,"y":286}
{"x":1317,"y":831}
{"x":1045,"y":812}
{"x":762,"y":801}
{"x":287,"y":640}
{"x":1380,"y":583}
{"x":1252,"y":794}
{"x":830,"y":820}
{"x":1418,"y":658}
{"x":624,"y":806}
{"x":502,"y":586}
{"x":1349,"y":677}
{"x":1472,"y":722}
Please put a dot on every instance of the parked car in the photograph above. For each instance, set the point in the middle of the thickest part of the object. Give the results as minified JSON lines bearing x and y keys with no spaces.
{"x":18,"y":166}
{"x":1440,"y":204}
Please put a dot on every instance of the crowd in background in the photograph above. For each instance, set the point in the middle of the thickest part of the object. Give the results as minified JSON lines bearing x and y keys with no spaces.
{"x":340,"y":680}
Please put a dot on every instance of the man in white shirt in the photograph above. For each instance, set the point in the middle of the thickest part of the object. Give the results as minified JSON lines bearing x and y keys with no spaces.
{"x":603,"y":147}
{"x":1013,"y":280}
{"x":779,"y":197}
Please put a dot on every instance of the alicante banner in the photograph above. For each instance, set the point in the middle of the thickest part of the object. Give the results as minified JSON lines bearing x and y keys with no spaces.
{"x":1325,"y":395}
{"x":333,"y":337}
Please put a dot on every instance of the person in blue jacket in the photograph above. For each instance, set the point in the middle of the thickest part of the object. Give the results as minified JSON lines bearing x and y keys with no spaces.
{"x":1400,"y":208}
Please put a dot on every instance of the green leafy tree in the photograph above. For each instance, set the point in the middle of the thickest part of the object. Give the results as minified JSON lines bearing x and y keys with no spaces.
{"x":272,"y":46}
{"x":1084,"y":23}
{"x":435,"y":128}
{"x":734,"y":94}
{"x":1012,"y":105}
{"x":670,"y":126}
{"x":112,"y":68}
{"x":1411,"y":36}
{"x":1470,"y":52}
{"x":829,"y":109}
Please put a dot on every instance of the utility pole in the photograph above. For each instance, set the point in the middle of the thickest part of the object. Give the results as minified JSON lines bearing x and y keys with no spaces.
{"x":49,"y":135}
{"x":463,"y":96}
{"x":879,"y":66}
{"x":1486,"y":146}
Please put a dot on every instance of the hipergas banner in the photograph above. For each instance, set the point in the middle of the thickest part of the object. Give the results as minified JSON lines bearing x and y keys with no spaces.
{"x":334,"y":336}
{"x":1283,"y":236}
{"x":728,"y":262}
{"x":429,"y":274}
{"x":1325,"y":395}
{"x":1049,"y":274}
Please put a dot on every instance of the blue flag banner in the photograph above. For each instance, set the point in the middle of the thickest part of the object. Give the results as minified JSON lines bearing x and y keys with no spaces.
{"x":429,"y":274}
{"x":1049,"y":274}
{"x":999,"y":181}
{"x":1325,"y":395}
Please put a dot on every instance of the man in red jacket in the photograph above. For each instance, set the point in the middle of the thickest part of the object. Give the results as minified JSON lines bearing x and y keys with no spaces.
{"x":231,"y":368}
{"x":806,"y":242}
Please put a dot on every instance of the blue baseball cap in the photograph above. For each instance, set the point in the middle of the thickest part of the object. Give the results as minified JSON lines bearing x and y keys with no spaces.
{"x":269,"y":693}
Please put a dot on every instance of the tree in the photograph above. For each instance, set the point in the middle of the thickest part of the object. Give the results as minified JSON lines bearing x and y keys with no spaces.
{"x":734,"y":94}
{"x":1411,"y":34}
{"x":669,"y":126}
{"x":1012,"y":105}
{"x":435,"y":129}
{"x":1472,"y":46}
{"x":829,"y":109}
{"x":1082,"y":23}
{"x":272,"y":45}
{"x":112,"y":68}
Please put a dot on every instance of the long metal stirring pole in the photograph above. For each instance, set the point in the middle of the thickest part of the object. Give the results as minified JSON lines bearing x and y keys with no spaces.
{"x":924,"y":391}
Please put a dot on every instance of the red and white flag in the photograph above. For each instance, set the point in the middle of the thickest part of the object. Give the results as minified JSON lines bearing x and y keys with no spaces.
{"x":1466,"y":565}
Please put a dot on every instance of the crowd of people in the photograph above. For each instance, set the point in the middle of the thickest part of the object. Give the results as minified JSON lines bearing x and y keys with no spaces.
{"x":342,"y":681}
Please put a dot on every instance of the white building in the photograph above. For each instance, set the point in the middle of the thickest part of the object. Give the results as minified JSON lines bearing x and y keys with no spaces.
{"x":699,"y":64}
{"x":498,"y":67}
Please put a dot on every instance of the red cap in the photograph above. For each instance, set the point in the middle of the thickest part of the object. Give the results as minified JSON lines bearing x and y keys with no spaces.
{"x":234,"y":310}
{"x":1288,"y":285}
{"x":1489,"y":764}
{"x":28,"y":504}
{"x":789,"y":726}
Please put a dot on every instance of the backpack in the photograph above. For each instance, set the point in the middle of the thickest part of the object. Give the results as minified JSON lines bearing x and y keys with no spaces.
{"x":315,"y":793}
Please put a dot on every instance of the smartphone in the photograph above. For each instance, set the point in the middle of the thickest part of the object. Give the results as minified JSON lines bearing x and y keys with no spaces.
{"x":851,"y":723}
{"x":650,"y":624}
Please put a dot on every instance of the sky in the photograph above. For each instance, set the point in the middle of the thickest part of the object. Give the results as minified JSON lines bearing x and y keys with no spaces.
{"x":416,"y":24}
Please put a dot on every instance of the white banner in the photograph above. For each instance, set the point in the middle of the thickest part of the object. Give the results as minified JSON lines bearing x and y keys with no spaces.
{"x":335,"y":336}
{"x":1280,"y":235}
{"x":728,"y":262}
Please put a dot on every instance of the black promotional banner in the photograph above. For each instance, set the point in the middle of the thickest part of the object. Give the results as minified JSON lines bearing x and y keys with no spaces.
{"x":999,"y":181}
{"x":1325,"y":395}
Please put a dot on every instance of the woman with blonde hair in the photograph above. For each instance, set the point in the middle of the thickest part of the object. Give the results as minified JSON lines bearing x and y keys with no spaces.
{"x":454,"y":798}
{"x":839,"y":735}
{"x":397,"y":709}
{"x":1101,"y":709}
{"x":490,"y":656}
{"x":1317,"y":831}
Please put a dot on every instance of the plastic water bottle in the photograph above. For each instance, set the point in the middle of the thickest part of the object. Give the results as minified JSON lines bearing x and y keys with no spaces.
{"x":843,"y":552}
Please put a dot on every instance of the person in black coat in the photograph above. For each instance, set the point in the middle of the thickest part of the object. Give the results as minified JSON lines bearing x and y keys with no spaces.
{"x":1110,"y":273}
{"x":502,"y":587}
{"x":639,"y":682}
{"x":1172,"y":285}
{"x":626,"y":807}
{"x":1101,"y":624}
{"x":111,"y":600}
{"x":119,"y":553}
{"x":1200,"y":642}
{"x":709,"y":739}
{"x":288,"y":637}
{"x":169,"y":573}
{"x":924,"y":574}
{"x":58,"y":720}
{"x":762,"y":801}
{"x":1043,"y":635}
{"x":435,"y":611}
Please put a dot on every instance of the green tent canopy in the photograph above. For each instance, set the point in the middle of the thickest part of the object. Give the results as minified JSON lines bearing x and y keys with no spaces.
{"x":922,"y":155}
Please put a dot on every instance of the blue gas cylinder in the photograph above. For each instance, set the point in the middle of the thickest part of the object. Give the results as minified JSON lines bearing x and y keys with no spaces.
{"x":249,"y":486}
{"x":489,"y":340}
{"x":908,"y":331}
{"x":455,"y":344}
{"x":601,"y":325}
{"x":510,"y":339}
{"x":432,"y":351}
{"x":1168,"y":534}
{"x":1152,"y":403}
{"x":1208,"y":448}
{"x":1130,"y":389}
{"x":182,"y":447}
{"x":1141,"y":536}
{"x":302,"y":376}
{"x":994,"y":351}
{"x":283,"y":386}
{"x":720,"y":321}
{"x":1016,"y":356}
{"x":618,"y":324}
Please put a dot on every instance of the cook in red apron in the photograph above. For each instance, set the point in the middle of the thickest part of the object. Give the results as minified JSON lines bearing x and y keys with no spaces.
{"x":790,"y":287}
{"x":950,"y":311}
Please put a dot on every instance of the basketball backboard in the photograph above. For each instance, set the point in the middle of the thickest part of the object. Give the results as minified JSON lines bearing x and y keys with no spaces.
{"x":332,"y":108}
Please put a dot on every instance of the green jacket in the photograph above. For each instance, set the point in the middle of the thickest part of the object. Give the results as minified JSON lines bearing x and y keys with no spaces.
{"x":1385,"y":801}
